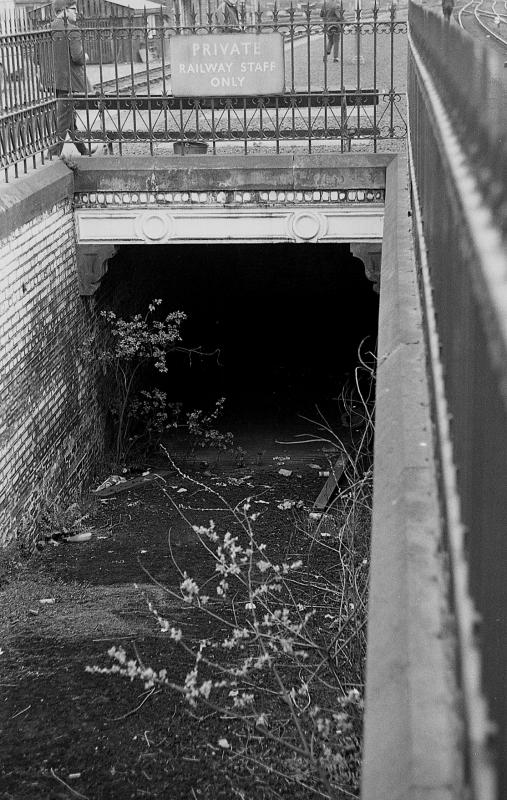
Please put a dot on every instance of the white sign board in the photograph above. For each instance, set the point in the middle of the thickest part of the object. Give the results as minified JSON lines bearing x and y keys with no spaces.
{"x":225,"y":64}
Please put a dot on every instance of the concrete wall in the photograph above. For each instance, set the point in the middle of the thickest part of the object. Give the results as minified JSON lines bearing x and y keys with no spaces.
{"x":49,"y":436}
{"x":413,"y":725}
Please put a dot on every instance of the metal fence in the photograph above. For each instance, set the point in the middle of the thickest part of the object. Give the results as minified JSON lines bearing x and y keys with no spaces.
{"x":355,"y":96}
{"x":27,"y":94}
{"x":457,"y":134}
{"x":358,"y":96}
{"x":477,"y":104}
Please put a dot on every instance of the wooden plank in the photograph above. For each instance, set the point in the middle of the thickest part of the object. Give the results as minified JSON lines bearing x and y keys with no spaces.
{"x":330,"y":486}
{"x":131,"y":483}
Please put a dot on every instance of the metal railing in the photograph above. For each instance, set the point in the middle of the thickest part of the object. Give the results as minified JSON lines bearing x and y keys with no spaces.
{"x":27,"y":94}
{"x":457,"y":123}
{"x":356,"y":98}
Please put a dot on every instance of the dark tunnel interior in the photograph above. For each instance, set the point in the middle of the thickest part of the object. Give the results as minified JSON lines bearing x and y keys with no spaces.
{"x":283,"y":322}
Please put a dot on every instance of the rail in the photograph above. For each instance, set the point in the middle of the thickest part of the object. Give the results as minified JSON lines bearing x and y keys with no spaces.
{"x":459,"y":173}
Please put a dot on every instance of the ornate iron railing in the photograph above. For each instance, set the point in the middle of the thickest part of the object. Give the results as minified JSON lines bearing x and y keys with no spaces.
{"x":360,"y":96}
{"x":459,"y":156}
{"x":477,"y":105}
{"x":27,"y":94}
{"x":357,"y":99}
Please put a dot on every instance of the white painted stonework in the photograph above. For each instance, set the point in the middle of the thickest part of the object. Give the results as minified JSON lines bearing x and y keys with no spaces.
{"x":200,"y":224}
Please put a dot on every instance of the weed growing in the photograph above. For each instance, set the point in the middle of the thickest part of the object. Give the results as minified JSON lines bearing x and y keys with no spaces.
{"x":124,"y":349}
{"x":283,"y":661}
{"x":131,"y":352}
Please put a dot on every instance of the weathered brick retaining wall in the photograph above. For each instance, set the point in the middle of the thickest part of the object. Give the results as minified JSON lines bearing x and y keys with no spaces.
{"x":50,"y":436}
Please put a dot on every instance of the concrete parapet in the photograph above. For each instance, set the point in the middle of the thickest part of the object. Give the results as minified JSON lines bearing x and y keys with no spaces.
{"x":31,"y":195}
{"x":412,"y":728}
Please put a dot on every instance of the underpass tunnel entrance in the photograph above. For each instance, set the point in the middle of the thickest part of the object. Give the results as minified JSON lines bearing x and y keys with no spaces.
{"x":282,"y":323}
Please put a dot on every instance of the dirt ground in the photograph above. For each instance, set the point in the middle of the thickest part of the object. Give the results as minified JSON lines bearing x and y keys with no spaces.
{"x":68,"y":733}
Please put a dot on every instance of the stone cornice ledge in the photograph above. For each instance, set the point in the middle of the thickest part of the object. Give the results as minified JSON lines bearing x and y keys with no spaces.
{"x":33,"y":195}
{"x":201,"y":173}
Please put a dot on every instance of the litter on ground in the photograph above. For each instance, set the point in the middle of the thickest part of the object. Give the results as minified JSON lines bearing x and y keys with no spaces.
{"x":113,"y":480}
{"x":84,"y":536}
{"x":286,"y":504}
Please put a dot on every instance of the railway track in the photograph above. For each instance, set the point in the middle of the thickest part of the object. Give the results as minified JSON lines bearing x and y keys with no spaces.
{"x":136,"y":84}
{"x":486,"y":19}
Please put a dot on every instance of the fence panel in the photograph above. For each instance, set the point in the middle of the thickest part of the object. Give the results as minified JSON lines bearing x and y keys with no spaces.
{"x":457,"y":134}
{"x":344,"y":83}
{"x":27,"y":95}
{"x":355,"y":95}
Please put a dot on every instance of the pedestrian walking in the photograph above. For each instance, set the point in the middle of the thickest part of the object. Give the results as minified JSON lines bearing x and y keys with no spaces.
{"x":227,"y":17}
{"x":333,"y":16}
{"x":447,"y":9}
{"x":70,"y":73}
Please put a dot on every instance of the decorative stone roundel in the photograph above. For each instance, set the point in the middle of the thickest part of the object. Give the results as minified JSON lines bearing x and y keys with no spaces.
{"x":307,"y":226}
{"x":154,"y":226}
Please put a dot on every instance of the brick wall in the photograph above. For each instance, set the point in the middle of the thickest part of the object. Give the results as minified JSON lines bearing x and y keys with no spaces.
{"x":49,"y":435}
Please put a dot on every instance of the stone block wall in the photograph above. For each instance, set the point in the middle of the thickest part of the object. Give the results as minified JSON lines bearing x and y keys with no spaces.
{"x":50,"y":432}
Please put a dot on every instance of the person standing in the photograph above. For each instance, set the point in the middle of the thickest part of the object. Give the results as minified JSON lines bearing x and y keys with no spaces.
{"x":227,"y":17}
{"x":333,"y":16}
{"x":70,"y":74}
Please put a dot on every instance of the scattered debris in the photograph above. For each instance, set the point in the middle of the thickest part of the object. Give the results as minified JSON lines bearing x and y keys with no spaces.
{"x":224,"y":743}
{"x":330,"y":485}
{"x":113,"y":480}
{"x":72,"y":791}
{"x":286,"y":504}
{"x":285,"y":472}
{"x":23,"y":710}
{"x":84,"y":536}
{"x":116,"y":483}
{"x":240,"y":481}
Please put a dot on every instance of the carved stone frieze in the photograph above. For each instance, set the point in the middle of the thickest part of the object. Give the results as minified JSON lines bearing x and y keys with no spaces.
{"x":157,"y":225}
{"x":227,"y":198}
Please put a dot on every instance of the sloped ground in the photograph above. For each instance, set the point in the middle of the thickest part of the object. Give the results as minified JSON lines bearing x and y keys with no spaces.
{"x":68,"y":733}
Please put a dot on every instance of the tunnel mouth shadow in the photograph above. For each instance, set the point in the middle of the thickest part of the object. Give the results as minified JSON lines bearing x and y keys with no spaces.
{"x":274,"y":329}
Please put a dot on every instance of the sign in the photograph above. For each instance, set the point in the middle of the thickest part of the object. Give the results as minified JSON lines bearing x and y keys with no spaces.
{"x":225,"y":64}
